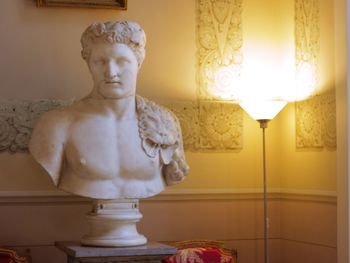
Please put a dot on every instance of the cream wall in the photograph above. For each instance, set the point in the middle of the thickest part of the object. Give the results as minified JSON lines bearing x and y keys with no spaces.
{"x":49,"y":39}
{"x":40,"y":58}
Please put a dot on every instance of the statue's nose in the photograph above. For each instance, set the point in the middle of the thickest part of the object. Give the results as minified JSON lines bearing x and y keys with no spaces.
{"x":112,"y":70}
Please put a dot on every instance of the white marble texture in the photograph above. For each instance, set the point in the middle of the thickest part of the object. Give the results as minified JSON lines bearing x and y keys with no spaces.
{"x":112,"y":144}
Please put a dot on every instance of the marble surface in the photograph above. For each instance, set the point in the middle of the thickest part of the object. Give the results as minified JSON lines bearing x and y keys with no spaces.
{"x":112,"y":144}
{"x":76,"y":250}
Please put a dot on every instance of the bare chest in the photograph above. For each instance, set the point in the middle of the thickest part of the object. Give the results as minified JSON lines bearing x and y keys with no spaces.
{"x":103,"y":148}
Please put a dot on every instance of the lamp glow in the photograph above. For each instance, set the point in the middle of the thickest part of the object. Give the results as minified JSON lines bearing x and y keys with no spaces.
{"x":305,"y":80}
{"x":263,"y":109}
{"x":227,"y":83}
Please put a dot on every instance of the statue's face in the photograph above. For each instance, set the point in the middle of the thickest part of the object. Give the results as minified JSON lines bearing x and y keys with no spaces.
{"x":114,"y":70}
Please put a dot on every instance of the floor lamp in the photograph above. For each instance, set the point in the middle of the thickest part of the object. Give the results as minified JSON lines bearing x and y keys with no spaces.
{"x":263,"y":112}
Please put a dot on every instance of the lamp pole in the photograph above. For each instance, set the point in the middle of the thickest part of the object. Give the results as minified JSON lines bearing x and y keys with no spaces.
{"x":263,"y":111}
{"x":263,"y":126}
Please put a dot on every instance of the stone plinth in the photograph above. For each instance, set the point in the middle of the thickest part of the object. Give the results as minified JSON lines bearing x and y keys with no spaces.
{"x":152,"y":252}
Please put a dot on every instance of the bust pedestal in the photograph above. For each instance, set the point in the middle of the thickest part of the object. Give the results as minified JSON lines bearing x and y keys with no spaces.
{"x":112,"y":223}
{"x":152,"y":252}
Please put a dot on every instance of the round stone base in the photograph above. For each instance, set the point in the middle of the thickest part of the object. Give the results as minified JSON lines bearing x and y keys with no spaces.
{"x":112,"y":223}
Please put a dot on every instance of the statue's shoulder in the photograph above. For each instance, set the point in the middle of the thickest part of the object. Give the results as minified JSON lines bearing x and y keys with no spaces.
{"x":56,"y":117}
{"x":149,"y":109}
{"x":65,"y":114}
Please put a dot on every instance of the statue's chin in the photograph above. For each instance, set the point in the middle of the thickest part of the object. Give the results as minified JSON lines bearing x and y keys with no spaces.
{"x":115,"y":91}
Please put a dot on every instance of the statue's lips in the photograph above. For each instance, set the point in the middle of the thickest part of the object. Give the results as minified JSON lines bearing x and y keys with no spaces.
{"x":112,"y":82}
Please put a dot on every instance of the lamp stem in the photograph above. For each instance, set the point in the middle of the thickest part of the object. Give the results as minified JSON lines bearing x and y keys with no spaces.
{"x":263,"y":126}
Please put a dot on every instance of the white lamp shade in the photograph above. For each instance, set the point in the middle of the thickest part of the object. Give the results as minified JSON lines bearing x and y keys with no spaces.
{"x":263,"y":109}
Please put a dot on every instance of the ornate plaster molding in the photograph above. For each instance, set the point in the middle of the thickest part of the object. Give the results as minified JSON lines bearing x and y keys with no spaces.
{"x":187,"y":113}
{"x":17,"y":120}
{"x":219,"y":47}
{"x":209,"y":125}
{"x":307,"y":44}
{"x":206,"y":126}
{"x":221,"y":126}
{"x":316,"y":122}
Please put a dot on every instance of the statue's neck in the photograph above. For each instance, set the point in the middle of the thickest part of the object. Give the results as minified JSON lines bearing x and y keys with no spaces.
{"x":121,"y":109}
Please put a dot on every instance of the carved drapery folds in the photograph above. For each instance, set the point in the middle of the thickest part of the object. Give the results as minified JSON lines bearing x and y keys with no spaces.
{"x":316,"y":122}
{"x":307,"y":45}
{"x":17,"y":120}
{"x":219,"y":48}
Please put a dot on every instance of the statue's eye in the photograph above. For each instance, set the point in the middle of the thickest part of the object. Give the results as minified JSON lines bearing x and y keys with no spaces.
{"x":122,"y":61}
{"x":100,"y":62}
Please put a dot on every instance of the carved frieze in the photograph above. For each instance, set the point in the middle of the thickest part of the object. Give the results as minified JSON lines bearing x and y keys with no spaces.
{"x":329,"y":119}
{"x":219,"y":48}
{"x":209,"y":125}
{"x":221,"y":126}
{"x":187,"y":113}
{"x":17,"y":120}
{"x":308,"y":123}
{"x":307,"y":45}
{"x":316,"y":122}
{"x":205,"y":126}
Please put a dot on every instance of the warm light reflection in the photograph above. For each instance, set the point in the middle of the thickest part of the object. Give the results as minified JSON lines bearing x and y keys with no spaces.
{"x":270,"y":76}
{"x":227,"y":83}
{"x":263,"y":109}
{"x":305,"y":80}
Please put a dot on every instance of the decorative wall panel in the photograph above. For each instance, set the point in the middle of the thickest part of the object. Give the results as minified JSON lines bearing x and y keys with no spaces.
{"x":209,"y":125}
{"x":316,"y":122}
{"x":221,"y":126}
{"x":219,"y":43}
{"x":205,"y":126}
{"x":307,"y":45}
{"x":329,"y":120}
{"x":187,"y":113}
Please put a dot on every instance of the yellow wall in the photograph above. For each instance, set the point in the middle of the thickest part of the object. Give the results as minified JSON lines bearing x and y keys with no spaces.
{"x":312,"y":169}
{"x":41,"y":48}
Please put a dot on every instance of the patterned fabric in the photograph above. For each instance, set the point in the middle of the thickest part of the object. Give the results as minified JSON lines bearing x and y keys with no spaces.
{"x":10,"y":256}
{"x":200,"y":255}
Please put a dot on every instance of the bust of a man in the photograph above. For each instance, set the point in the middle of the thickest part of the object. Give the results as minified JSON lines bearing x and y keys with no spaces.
{"x":111,"y":144}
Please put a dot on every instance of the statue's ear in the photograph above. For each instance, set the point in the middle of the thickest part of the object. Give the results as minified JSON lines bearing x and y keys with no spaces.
{"x":166,"y":153}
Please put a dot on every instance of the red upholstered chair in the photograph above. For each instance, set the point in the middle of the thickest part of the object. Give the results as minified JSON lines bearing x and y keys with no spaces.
{"x":201,"y":251}
{"x":10,"y":256}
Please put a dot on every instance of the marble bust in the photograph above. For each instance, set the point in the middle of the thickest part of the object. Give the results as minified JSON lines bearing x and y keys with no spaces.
{"x":112,"y":144}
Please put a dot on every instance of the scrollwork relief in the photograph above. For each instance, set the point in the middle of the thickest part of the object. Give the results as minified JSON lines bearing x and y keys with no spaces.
{"x":329,"y":119}
{"x":221,"y":126}
{"x":187,"y":113}
{"x":307,"y":45}
{"x":316,"y":122}
{"x":209,"y":125}
{"x":205,"y":126}
{"x":219,"y":48}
